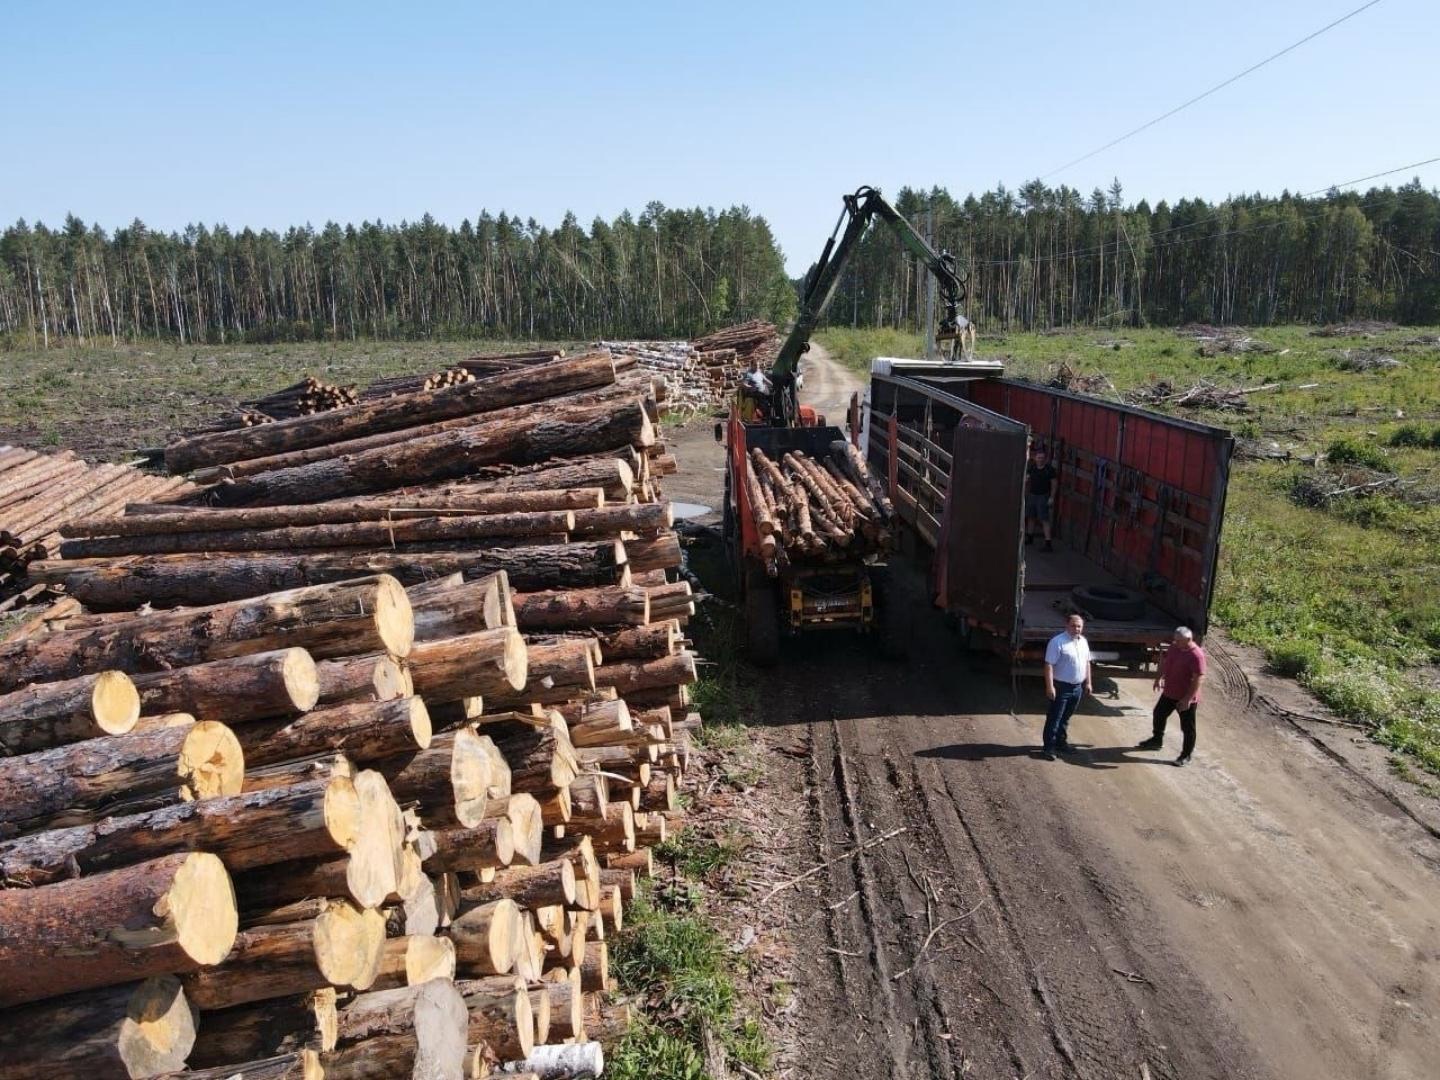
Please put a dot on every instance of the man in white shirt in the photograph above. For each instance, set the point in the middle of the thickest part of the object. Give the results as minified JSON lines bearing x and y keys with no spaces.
{"x":1067,"y":680}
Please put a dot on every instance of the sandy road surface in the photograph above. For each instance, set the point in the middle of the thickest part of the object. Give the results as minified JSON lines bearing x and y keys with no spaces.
{"x":1264,"y":913}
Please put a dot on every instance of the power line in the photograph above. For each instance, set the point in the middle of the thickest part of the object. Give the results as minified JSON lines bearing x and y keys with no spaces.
{"x":1372,"y":176}
{"x":1217,"y":87}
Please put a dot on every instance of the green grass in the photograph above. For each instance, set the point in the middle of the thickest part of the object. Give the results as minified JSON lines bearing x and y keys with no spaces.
{"x":1343,"y":596}
{"x":676,"y":963}
{"x":105,"y":402}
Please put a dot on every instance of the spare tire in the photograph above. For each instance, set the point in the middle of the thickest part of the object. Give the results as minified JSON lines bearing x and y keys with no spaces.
{"x":1109,"y":601}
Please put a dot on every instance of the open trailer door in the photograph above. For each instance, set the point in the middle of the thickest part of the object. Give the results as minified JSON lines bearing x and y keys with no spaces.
{"x":979,"y":573}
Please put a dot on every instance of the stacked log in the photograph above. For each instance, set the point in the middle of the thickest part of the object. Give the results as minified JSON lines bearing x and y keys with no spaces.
{"x":815,"y":509}
{"x":412,"y":384}
{"x":40,"y":491}
{"x":304,"y":398}
{"x":290,"y":814}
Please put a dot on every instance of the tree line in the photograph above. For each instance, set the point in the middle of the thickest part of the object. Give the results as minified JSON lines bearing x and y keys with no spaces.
{"x":1044,"y":257}
{"x":664,"y":273}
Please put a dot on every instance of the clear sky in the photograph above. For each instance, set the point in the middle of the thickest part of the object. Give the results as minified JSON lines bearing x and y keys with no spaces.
{"x":271,"y":114}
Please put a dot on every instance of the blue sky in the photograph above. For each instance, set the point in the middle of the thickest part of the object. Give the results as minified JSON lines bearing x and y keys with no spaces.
{"x":270,"y":114}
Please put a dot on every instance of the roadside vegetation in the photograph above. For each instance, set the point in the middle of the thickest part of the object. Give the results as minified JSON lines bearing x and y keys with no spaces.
{"x":1331,"y":551}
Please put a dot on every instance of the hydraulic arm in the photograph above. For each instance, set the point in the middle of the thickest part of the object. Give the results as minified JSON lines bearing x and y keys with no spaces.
{"x":860,"y":209}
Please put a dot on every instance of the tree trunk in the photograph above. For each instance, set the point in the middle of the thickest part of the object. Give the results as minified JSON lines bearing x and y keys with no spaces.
{"x":485,"y":937}
{"x":161,"y":917}
{"x":253,"y":687}
{"x":53,"y":714}
{"x":255,"y":829}
{"x":489,"y":845}
{"x":298,"y":1065}
{"x":529,"y":886}
{"x":139,"y":1030}
{"x":390,"y":1057}
{"x":169,"y":580}
{"x":341,"y":947}
{"x":581,"y":609}
{"x":432,"y":1013}
{"x":364,"y":731}
{"x":450,"y":780}
{"x":498,"y":392}
{"x":78,"y":783}
{"x":645,"y":519}
{"x":657,"y":553}
{"x":541,"y":759}
{"x":148,"y":519}
{"x":362,"y":678}
{"x":544,"y":434}
{"x":501,"y":1015}
{"x":527,"y":828}
{"x":273,"y":1027}
{"x":359,"y":534}
{"x":371,"y":615}
{"x":414,"y":959}
{"x":650,"y":642}
{"x":483,"y":663}
{"x":627,"y":676}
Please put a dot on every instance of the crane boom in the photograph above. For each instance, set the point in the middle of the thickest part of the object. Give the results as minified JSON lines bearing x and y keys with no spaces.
{"x":860,"y":209}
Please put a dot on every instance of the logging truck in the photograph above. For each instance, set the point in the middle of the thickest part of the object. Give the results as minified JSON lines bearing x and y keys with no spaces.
{"x":1136,"y":514}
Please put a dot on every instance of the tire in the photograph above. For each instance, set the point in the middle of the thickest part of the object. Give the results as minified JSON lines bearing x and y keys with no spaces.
{"x":1110,"y":601}
{"x":894,"y":625}
{"x":762,"y":619}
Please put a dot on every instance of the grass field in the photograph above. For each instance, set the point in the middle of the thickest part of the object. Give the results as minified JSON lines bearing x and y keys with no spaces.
{"x":1342,"y":591}
{"x":104,"y":402}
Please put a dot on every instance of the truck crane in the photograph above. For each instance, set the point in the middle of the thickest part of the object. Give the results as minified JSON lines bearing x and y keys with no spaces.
{"x":790,"y":598}
{"x":862,"y":208}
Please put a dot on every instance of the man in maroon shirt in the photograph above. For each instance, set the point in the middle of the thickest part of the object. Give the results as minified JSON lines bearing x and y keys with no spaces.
{"x":1181,"y":670}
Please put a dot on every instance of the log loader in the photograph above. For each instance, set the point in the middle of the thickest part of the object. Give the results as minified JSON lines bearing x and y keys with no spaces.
{"x":790,"y":596}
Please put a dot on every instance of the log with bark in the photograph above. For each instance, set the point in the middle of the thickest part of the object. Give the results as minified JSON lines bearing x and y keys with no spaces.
{"x":297,"y":1065}
{"x":538,"y":435}
{"x":80,"y":782}
{"x":137,"y":1030}
{"x":366,"y":615}
{"x":53,"y":714}
{"x":486,"y":937}
{"x":340,"y":947}
{"x":487,"y":663}
{"x":412,"y":959}
{"x":376,"y":677}
{"x":267,"y":1029}
{"x":451,"y":606}
{"x":450,"y":780}
{"x":364,"y":731}
{"x":433,"y":1014}
{"x":281,"y":682}
{"x":488,"y":845}
{"x":526,"y":385}
{"x":501,"y":1014}
{"x":335,"y":817}
{"x":162,"y":917}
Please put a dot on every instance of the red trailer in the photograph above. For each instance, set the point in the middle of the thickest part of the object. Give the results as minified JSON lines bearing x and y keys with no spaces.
{"x":1137,"y":517}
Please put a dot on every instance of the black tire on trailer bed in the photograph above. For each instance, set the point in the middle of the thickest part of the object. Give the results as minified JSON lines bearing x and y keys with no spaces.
{"x":1110,"y":601}
{"x":894,"y":622}
{"x":762,"y":619}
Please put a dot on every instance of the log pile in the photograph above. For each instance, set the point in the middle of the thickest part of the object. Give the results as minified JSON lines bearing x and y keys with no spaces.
{"x":811,"y":509}
{"x":351,"y":786}
{"x":304,"y":398}
{"x":753,"y":340}
{"x":40,"y":491}
{"x":412,"y":384}
{"x":694,"y":380}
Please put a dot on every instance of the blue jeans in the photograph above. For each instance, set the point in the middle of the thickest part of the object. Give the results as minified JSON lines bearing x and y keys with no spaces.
{"x":1057,"y":717}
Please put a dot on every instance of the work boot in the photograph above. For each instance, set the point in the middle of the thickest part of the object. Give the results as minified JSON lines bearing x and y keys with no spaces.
{"x":1182,"y":761}
{"x":1047,"y":755}
{"x":1155,"y":742}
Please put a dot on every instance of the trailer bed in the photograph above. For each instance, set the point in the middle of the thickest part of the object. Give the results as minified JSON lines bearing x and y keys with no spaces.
{"x":1049,"y":577}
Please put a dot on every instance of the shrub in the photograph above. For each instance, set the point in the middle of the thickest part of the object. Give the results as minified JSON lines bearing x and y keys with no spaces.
{"x":1293,"y":659}
{"x":1353,"y":452}
{"x":1415,"y":435}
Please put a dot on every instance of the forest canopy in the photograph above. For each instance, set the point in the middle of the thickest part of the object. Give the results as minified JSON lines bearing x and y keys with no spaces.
{"x":664,"y":273}
{"x":1038,"y":257}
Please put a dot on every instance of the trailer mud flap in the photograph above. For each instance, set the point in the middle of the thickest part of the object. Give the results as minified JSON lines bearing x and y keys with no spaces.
{"x":979,"y":568}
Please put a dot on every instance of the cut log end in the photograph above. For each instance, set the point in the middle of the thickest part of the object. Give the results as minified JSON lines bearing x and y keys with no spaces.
{"x":159,"y":1028}
{"x":420,"y":725}
{"x":394,"y":618}
{"x":115,"y":702}
{"x":201,"y":902}
{"x":349,"y":944}
{"x":211,"y":762}
{"x":302,"y":679}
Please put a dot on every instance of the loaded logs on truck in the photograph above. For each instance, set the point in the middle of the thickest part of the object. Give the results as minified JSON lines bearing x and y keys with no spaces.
{"x":304,"y":789}
{"x":809,"y":508}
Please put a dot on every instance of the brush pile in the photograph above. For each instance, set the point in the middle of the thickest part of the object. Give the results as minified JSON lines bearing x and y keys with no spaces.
{"x":39,"y":491}
{"x":817,"y":509}
{"x":1365,"y":360}
{"x":349,"y":762}
{"x":1204,"y":394}
{"x":1356,"y":328}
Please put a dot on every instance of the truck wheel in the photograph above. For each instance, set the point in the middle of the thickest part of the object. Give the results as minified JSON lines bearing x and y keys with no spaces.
{"x":1110,"y":601}
{"x":762,"y":620}
{"x":894,"y":626}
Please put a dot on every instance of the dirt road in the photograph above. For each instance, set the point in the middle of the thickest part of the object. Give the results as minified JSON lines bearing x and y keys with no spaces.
{"x":1263,"y":913}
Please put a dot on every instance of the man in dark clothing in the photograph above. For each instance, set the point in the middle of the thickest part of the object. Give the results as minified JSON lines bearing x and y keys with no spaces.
{"x":1181,"y":670}
{"x":1039,"y":496}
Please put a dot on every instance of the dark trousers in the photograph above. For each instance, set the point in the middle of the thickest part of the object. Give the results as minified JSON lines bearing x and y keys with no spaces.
{"x":1057,"y":717}
{"x":1163,"y":708}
